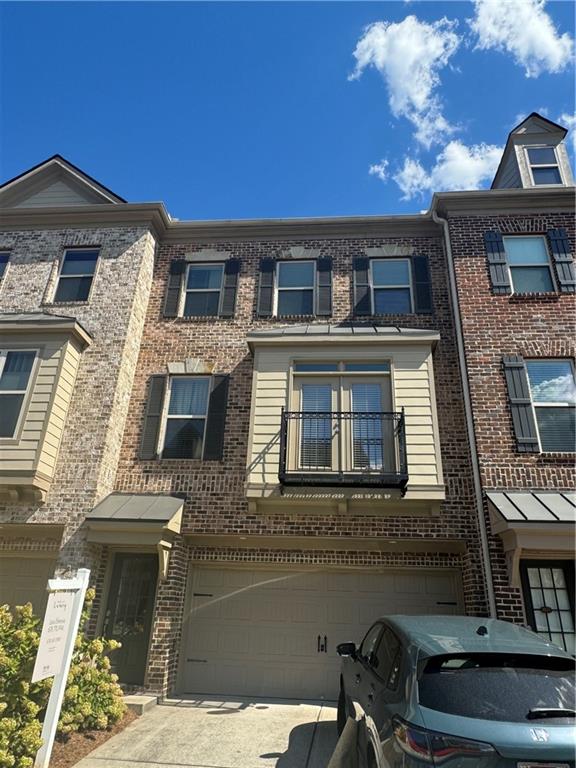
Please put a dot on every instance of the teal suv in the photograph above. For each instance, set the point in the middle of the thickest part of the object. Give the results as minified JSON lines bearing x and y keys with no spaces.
{"x":459,"y":692}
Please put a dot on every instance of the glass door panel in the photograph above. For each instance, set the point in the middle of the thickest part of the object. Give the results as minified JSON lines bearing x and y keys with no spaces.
{"x":369,"y":439}
{"x":316,"y":448}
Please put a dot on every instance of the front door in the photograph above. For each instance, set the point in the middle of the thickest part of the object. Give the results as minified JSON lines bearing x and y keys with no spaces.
{"x":129,"y":613}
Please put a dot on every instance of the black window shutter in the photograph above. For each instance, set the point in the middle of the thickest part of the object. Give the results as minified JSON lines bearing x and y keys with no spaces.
{"x":266,"y":287}
{"x":324,"y":287}
{"x":361,"y":266}
{"x":523,"y":420}
{"x":421,"y":285}
{"x":173,"y":289}
{"x":499,"y":276}
{"x":214,"y":441}
{"x":563,"y":261}
{"x":152,"y":417}
{"x":231,"y":270}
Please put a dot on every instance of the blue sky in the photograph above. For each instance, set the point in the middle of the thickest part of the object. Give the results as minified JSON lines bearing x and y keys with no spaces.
{"x":245,"y":110}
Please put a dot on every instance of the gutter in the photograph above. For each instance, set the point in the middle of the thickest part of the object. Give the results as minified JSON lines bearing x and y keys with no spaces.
{"x":469,"y":420}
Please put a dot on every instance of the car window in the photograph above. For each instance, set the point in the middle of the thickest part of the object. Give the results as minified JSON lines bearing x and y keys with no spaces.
{"x":507,"y":687}
{"x":370,"y":643}
{"x":387,"y":656}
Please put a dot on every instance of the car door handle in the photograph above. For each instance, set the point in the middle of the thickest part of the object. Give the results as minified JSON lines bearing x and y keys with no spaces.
{"x":357,"y":679}
{"x":370,"y":699}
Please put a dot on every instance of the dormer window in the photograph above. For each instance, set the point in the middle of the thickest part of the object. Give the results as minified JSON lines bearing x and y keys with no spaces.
{"x":543,"y":166}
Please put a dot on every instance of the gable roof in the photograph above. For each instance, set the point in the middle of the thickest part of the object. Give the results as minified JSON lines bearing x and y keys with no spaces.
{"x":542,"y":122}
{"x":55,"y":182}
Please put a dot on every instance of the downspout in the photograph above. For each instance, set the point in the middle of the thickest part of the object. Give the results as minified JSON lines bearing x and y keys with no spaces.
{"x":469,"y":420}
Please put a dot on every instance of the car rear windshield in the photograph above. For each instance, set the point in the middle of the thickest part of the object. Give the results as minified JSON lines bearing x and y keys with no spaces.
{"x":507,"y":687}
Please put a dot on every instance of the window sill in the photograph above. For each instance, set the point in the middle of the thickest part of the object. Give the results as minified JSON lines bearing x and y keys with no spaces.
{"x":538,"y":295}
{"x":557,"y":455}
{"x":282,"y":318}
{"x":65,"y":303}
{"x":200,"y":318}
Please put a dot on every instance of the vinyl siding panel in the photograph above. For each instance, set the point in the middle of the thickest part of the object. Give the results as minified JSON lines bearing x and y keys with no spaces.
{"x":412,"y":390}
{"x":45,"y":409}
{"x":56,"y":194}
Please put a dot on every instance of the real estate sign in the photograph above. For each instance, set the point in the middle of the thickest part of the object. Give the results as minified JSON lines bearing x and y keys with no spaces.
{"x":51,"y":651}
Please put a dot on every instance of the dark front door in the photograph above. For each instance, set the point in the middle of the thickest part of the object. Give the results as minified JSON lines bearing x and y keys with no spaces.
{"x":129,"y":613}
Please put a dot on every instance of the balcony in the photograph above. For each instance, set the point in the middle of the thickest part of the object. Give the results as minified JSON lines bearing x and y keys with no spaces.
{"x":343,"y":449}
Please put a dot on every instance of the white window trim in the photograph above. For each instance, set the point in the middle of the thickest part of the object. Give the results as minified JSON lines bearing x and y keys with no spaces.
{"x":165,"y":416}
{"x":185,"y":290}
{"x":544,"y":165}
{"x":60,"y":276}
{"x":536,"y":405}
{"x":26,"y":392}
{"x":277,"y":287}
{"x":374,"y":287}
{"x":510,"y":267}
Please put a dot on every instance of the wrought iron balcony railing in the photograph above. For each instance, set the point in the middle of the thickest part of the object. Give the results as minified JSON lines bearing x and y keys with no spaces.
{"x":337,"y":448}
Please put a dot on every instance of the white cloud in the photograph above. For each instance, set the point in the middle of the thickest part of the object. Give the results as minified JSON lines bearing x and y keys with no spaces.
{"x":457,"y":167}
{"x":567,"y":120}
{"x":523,"y":29}
{"x":380,"y":170}
{"x":409,"y":56}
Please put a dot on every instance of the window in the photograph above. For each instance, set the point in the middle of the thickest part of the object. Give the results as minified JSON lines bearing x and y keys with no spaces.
{"x":295,"y":294}
{"x":529,"y":264}
{"x":203,"y":290}
{"x":370,"y":643}
{"x":185,"y":424}
{"x":389,"y":658}
{"x":346,"y":420}
{"x":544,"y":165}
{"x":548,"y":588}
{"x":76,"y":275}
{"x":553,"y":392}
{"x":498,"y":686}
{"x":4,"y":259}
{"x":15,"y":370}
{"x":391,"y":286}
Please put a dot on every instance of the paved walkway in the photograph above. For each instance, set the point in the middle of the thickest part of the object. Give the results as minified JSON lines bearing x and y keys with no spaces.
{"x":240,"y":733}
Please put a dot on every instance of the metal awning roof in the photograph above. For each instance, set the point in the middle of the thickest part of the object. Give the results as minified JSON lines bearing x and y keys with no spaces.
{"x":535,"y":506}
{"x":134,"y":507}
{"x":343,"y":329}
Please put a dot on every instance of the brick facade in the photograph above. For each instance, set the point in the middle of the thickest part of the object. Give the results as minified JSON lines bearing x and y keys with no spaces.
{"x":531,"y":325}
{"x":214,"y":491}
{"x":114,"y":317}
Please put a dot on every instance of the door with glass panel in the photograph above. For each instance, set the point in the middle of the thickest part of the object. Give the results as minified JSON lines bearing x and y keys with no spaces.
{"x":312,"y":438}
{"x":548,"y":588}
{"x":368,"y":430}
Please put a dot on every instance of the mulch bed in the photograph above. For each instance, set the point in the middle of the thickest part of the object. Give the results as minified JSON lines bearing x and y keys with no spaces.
{"x":67,"y":753}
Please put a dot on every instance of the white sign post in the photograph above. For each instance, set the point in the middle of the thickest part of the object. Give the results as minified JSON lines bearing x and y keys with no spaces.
{"x":55,"y":650}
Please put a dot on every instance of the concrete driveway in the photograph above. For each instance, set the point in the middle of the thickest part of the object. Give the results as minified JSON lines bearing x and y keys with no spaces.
{"x":238,"y":733}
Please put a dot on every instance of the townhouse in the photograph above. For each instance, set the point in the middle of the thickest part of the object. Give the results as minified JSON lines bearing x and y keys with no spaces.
{"x":278,"y":430}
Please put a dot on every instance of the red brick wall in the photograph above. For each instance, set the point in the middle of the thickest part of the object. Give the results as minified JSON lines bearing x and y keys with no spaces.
{"x":543,"y":325}
{"x":215,"y":501}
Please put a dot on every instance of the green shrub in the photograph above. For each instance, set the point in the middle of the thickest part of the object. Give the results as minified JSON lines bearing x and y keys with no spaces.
{"x":92,"y":701}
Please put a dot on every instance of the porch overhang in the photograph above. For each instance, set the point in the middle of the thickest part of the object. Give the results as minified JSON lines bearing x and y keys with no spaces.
{"x":537,"y":523}
{"x":137,"y":521}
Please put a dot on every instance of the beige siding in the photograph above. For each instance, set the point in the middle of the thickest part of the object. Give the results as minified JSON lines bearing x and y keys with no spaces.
{"x":56,"y":194}
{"x":45,"y":409}
{"x":412,"y":378}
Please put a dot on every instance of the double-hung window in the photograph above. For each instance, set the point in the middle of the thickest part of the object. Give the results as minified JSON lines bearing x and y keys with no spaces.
{"x":4,"y":259}
{"x":543,"y":165}
{"x":391,"y":287}
{"x":295,"y":288}
{"x":185,"y":420}
{"x":203,"y":290}
{"x":529,"y":264}
{"x":76,"y":275}
{"x":553,"y":393}
{"x":15,"y":372}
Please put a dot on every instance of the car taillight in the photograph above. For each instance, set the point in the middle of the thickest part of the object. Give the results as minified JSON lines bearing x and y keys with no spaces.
{"x":435,"y":748}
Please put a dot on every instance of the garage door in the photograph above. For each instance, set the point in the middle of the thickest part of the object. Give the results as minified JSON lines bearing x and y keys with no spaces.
{"x":24,"y":579}
{"x":274,"y":632}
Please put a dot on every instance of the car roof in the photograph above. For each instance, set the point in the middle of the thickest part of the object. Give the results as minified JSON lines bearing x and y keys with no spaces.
{"x":438,"y":635}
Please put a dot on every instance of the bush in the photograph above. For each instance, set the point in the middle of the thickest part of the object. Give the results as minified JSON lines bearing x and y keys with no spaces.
{"x":92,"y":701}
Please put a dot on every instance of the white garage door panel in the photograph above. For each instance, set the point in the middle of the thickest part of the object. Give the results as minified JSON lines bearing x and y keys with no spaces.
{"x":255,"y":632}
{"x":24,"y":579}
